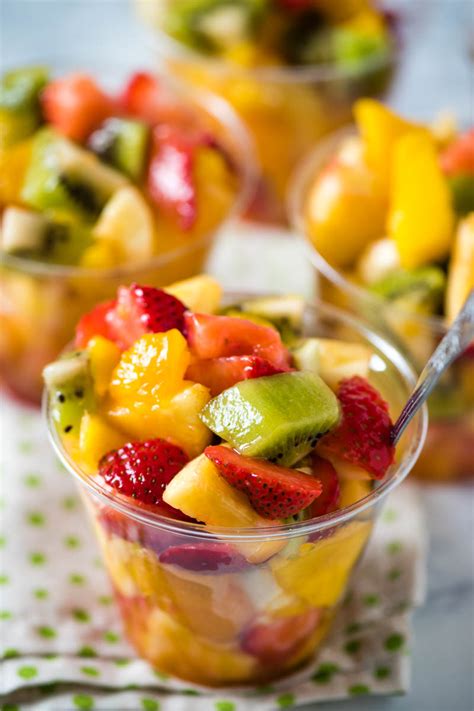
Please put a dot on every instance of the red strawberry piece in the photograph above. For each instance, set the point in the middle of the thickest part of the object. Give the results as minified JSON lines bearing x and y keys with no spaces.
{"x":458,"y":158}
{"x":147,"y":97}
{"x":274,"y":492}
{"x":75,"y":105}
{"x":154,"y":538}
{"x":205,"y":557}
{"x":142,"y":470}
{"x":218,"y":374}
{"x":144,"y":309}
{"x":275,"y":641}
{"x":295,"y":5}
{"x":328,"y":499}
{"x":363,"y":435}
{"x":224,"y":336}
{"x":95,"y":323}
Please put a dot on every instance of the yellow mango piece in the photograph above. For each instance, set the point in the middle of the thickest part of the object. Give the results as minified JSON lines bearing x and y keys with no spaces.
{"x":176,"y":418}
{"x":380,"y":129}
{"x":99,"y":255}
{"x":13,"y":164}
{"x":461,"y":268}
{"x":341,"y":359}
{"x":353,"y":490}
{"x":200,"y":492}
{"x":104,"y":356}
{"x":320,"y":572}
{"x":421,"y":217}
{"x":96,"y":438}
{"x":201,"y":294}
{"x":216,"y":187}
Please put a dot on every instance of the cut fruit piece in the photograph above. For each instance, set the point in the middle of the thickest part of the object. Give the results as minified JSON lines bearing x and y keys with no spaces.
{"x":276,"y":640}
{"x":219,"y":374}
{"x":461,"y":268}
{"x":33,"y":235}
{"x":122,"y":143}
{"x":148,"y":98}
{"x":378,"y":260}
{"x":71,"y":391}
{"x":274,"y":492}
{"x":421,"y":217}
{"x":96,"y":438}
{"x":75,"y":105}
{"x":95,"y":323}
{"x":62,"y":176}
{"x":200,"y":492}
{"x":14,"y":163}
{"x":201,"y":294}
{"x":205,"y":558}
{"x":332,"y":359}
{"x":419,"y":290}
{"x":127,"y":223}
{"x":458,"y":158}
{"x":20,"y":113}
{"x":352,"y":491}
{"x":279,"y":417}
{"x":363,"y":436}
{"x":104,"y":356}
{"x":223,"y":336}
{"x":285,"y":312}
{"x":328,"y":500}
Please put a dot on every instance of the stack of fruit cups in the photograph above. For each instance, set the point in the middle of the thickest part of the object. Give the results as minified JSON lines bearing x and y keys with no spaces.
{"x":132,"y":230}
{"x":246,"y":597}
{"x":398,"y":249}
{"x":290,"y":70}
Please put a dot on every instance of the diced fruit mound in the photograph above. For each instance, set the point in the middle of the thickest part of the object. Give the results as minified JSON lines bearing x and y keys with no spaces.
{"x":219,"y":374}
{"x":142,"y":470}
{"x":273,"y":491}
{"x":363,"y":435}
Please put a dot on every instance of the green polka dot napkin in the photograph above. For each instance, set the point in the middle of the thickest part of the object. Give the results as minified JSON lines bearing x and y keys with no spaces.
{"x":61,"y":643}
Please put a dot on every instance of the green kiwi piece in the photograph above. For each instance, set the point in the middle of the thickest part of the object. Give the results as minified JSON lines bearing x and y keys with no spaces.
{"x":279,"y":417}
{"x":214,"y":25}
{"x":71,"y":391}
{"x":420,"y":290}
{"x":123,"y":144}
{"x":63,"y":176}
{"x":20,"y":112}
{"x":35,"y":236}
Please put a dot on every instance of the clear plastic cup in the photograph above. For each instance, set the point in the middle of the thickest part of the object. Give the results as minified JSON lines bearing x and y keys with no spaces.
{"x":41,"y":303}
{"x":286,"y":109}
{"x":448,"y":453}
{"x":245,"y":606}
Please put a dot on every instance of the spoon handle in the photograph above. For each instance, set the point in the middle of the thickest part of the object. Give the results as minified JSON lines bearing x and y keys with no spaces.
{"x":456,"y":340}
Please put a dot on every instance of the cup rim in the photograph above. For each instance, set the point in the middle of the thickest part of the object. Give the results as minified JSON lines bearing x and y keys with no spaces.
{"x":305,"y":172}
{"x":247,"y":173}
{"x":167,"y":46}
{"x":397,"y":472}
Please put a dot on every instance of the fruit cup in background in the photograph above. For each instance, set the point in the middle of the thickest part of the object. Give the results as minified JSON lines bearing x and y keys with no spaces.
{"x":290,"y":70}
{"x":101,"y":187}
{"x":387,"y":218}
{"x":245,"y":598}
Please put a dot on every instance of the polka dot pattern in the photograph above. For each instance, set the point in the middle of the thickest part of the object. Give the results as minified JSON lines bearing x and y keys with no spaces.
{"x":62,"y":626}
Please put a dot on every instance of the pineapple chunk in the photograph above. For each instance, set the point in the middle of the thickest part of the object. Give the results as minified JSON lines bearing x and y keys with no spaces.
{"x":352,"y":491}
{"x":104,"y":356}
{"x":461,"y":268}
{"x":378,"y":260}
{"x":200,"y":492}
{"x":333,"y":360}
{"x":201,"y":294}
{"x":96,"y":438}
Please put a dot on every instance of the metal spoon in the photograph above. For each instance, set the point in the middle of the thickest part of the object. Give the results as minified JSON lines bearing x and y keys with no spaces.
{"x":456,"y":340}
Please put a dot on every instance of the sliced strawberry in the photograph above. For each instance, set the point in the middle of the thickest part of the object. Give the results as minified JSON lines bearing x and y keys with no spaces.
{"x":363,"y":435}
{"x":274,"y":642}
{"x":152,"y":537}
{"x":274,"y":492}
{"x":142,"y":470}
{"x":329,"y":497}
{"x":144,"y":309}
{"x":147,"y":97}
{"x":225,"y":336}
{"x":458,"y":158}
{"x":95,"y":323}
{"x":75,"y":105}
{"x":205,"y":557}
{"x":218,"y":374}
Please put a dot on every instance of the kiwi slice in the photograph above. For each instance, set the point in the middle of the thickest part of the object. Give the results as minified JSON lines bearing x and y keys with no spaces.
{"x":71,"y":391}
{"x":279,"y":417}
{"x":20,"y":113}
{"x":35,"y":236}
{"x":63,"y":176}
{"x":214,"y":25}
{"x":420,"y":290}
{"x":123,"y":144}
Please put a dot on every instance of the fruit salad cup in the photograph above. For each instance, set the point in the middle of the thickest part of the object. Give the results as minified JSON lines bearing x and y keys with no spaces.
{"x":227,"y":567}
{"x":100,"y":188}
{"x":397,"y":247}
{"x":290,"y":70}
